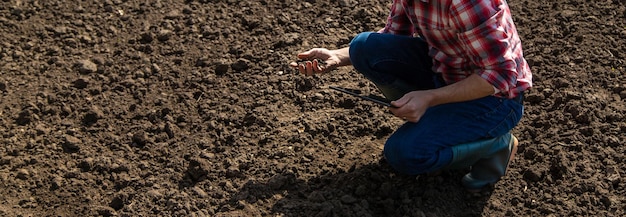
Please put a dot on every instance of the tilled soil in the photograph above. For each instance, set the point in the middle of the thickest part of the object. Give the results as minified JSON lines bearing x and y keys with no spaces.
{"x":189,"y":108}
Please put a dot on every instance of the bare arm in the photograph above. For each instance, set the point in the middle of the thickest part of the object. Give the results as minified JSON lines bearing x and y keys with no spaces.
{"x":413,"y":105}
{"x":473,"y":87}
{"x":343,"y":55}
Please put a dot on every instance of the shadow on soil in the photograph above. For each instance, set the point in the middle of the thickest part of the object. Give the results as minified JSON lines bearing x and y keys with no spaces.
{"x":370,"y":190}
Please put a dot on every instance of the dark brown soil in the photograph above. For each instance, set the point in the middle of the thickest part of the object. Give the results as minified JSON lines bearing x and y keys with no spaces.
{"x":189,"y":108}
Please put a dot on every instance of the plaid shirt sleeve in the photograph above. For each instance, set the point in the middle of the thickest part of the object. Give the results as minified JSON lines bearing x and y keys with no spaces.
{"x":398,"y":23}
{"x":488,"y":38}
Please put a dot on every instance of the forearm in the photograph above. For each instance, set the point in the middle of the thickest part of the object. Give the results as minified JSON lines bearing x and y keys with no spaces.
{"x":473,"y":87}
{"x":344,"y":56}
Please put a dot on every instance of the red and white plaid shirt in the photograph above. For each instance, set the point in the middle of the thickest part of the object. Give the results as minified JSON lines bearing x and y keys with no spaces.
{"x":466,"y":37}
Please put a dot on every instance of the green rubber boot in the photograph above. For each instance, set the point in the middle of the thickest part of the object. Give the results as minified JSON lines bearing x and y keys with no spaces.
{"x":488,"y":159}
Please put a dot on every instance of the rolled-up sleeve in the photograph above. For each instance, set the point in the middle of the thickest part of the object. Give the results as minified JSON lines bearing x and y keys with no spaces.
{"x":487,"y":40}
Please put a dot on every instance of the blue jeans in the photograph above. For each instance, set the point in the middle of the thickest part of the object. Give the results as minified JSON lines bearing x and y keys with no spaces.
{"x":400,"y":64}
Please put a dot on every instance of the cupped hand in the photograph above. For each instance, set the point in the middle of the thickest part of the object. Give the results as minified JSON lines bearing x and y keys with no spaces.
{"x":412,"y":105}
{"x":311,"y":63}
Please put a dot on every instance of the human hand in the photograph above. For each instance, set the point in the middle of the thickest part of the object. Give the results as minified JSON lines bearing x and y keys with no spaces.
{"x":412,"y":105}
{"x":315,"y":61}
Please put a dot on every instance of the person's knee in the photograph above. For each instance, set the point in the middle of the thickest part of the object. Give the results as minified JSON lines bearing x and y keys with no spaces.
{"x":357,"y":50}
{"x":406,"y":158}
{"x":359,"y":39}
{"x":400,"y":157}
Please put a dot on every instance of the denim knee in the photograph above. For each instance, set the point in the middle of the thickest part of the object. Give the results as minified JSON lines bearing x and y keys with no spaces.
{"x":412,"y":150}
{"x":397,"y":157}
{"x":404,"y":159}
{"x":358,"y":57}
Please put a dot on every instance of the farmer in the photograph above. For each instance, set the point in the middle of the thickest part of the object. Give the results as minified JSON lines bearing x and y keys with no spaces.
{"x":456,"y":73}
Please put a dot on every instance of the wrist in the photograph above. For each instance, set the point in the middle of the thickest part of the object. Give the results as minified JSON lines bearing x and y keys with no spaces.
{"x":343,"y":55}
{"x":432,"y":97}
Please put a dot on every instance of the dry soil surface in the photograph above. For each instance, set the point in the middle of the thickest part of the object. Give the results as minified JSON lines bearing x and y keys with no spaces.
{"x":188,"y":108}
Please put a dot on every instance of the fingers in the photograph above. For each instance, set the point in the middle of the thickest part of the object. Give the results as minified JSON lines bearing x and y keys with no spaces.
{"x":317,"y":67}
{"x":402,"y":111}
{"x":399,"y":102}
{"x":410,"y":117}
{"x":304,"y":56}
{"x":308,"y":67}
{"x":301,"y":68}
{"x":307,"y":55}
{"x":412,"y":120}
{"x":310,"y":63}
